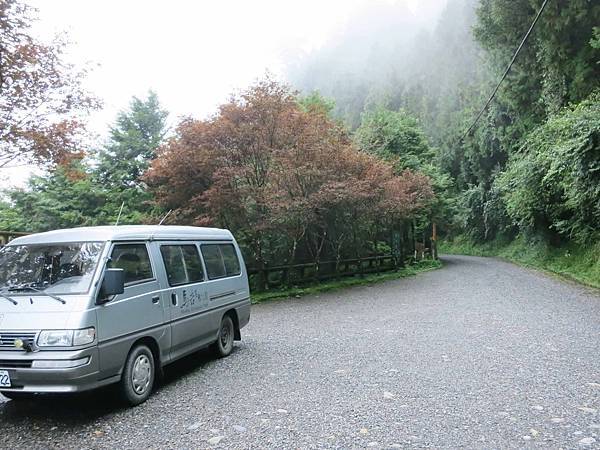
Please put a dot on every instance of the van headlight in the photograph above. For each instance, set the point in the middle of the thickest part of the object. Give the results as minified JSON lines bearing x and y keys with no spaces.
{"x":66,"y":338}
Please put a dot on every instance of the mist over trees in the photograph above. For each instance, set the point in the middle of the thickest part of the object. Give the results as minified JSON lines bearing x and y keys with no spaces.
{"x":557,"y":68}
{"x":441,"y":76}
{"x":391,"y":60}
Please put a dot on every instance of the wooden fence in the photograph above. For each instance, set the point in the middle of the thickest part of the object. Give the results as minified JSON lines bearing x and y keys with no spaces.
{"x":298,"y":274}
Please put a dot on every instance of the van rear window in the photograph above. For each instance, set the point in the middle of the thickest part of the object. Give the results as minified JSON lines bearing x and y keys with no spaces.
{"x":232,"y":263}
{"x":221,"y":260}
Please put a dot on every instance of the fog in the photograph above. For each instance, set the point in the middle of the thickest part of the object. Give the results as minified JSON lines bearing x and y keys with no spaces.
{"x":388,"y":54}
{"x":194,"y":54}
{"x":370,"y":42}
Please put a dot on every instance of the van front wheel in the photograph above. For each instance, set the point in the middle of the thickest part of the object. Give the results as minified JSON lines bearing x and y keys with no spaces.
{"x":138,"y":375}
{"x":224,"y":344}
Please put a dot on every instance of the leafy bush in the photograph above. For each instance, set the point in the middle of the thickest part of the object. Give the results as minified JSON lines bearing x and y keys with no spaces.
{"x":553,"y":181}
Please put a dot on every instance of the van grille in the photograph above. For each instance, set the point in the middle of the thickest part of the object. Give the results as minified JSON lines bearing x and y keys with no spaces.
{"x":15,"y":363}
{"x":7,"y":339}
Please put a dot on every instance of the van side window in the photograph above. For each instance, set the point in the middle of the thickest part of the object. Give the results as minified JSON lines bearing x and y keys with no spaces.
{"x":221,"y":260}
{"x":134,"y":260}
{"x":182,"y":263}
{"x":213,"y":260}
{"x":230,"y":258}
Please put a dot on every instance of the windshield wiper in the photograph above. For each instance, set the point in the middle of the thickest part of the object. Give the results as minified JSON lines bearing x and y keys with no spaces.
{"x":10,"y":299}
{"x":41,"y":291}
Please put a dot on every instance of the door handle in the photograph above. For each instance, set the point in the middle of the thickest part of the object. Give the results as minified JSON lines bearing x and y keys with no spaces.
{"x":174,"y":298}
{"x":155,"y":299}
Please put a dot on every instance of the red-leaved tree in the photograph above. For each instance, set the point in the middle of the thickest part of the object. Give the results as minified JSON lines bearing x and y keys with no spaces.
{"x":286,"y":180}
{"x":42,"y":102}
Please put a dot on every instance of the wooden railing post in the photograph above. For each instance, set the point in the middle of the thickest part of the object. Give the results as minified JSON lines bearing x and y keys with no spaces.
{"x":285,"y":277}
{"x":265,"y":277}
{"x":434,"y":252}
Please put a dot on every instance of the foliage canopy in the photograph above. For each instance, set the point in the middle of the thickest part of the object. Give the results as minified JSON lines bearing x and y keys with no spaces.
{"x":286,"y":179}
{"x":42,"y":102}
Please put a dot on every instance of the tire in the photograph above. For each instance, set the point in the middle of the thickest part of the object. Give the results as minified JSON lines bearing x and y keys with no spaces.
{"x":18,"y":395}
{"x":224,"y":344}
{"x":138,"y":376}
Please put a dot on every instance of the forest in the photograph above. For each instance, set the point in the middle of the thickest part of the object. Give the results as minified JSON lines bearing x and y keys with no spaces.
{"x":525,"y":182}
{"x":357,"y":152}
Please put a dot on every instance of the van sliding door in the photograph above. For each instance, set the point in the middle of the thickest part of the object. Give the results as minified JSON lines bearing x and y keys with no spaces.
{"x":186,"y":296}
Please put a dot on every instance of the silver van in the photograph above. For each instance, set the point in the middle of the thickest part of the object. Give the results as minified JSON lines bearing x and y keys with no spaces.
{"x":87,"y":307}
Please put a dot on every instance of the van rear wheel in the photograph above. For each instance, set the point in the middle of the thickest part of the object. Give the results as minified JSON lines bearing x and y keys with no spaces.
{"x":138,"y":376}
{"x":224,"y":344}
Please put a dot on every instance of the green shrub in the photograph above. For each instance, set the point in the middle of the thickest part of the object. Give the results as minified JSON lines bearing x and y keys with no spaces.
{"x":553,"y":182}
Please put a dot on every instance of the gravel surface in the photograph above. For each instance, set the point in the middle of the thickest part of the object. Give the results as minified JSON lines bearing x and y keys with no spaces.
{"x":479,"y":354}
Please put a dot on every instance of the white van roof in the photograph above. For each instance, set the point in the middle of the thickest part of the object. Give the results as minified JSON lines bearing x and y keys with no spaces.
{"x":124,"y":233}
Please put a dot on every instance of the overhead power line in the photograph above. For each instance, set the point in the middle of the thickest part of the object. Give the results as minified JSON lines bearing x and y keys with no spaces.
{"x":514,"y":58}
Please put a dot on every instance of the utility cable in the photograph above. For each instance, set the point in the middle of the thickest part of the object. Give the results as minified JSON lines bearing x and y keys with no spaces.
{"x":514,"y":58}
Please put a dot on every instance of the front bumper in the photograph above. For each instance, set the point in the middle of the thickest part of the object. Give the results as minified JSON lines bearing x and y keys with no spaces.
{"x":25,"y":378}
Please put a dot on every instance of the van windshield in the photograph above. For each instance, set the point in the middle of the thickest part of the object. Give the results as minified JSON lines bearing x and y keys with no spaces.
{"x":65,"y":268}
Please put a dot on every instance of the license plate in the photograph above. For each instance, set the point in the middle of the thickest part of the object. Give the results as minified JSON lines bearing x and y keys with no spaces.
{"x":4,"y":378}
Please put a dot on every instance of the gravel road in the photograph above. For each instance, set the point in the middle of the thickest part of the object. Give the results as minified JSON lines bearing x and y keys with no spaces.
{"x":478,"y":354}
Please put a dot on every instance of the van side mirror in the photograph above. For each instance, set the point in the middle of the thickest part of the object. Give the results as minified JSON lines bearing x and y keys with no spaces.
{"x":112,"y":284}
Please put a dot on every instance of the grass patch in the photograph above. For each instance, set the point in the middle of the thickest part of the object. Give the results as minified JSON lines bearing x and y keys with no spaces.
{"x":421,"y":266}
{"x":572,"y":261}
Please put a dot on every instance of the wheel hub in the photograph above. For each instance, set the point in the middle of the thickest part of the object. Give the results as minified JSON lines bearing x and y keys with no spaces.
{"x":141,"y":374}
{"x":225,"y":335}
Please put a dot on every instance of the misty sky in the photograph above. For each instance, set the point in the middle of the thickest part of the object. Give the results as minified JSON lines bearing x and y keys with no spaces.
{"x":192,"y":53}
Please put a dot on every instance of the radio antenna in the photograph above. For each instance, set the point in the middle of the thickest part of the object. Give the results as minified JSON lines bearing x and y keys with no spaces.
{"x":120,"y":212}
{"x":165,"y":218}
